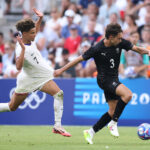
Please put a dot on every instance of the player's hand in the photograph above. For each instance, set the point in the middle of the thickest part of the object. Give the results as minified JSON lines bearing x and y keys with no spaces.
{"x":57,"y":72}
{"x":19,"y":39}
{"x":38,"y":13}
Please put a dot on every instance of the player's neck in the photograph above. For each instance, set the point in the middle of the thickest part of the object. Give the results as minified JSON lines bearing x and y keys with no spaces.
{"x":107,"y":43}
{"x":26,"y":41}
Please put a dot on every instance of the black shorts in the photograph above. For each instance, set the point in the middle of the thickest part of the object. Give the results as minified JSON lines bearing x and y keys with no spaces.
{"x":109,"y":85}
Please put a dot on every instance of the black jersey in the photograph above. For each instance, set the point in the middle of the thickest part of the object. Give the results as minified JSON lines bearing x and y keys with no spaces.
{"x":107,"y":59}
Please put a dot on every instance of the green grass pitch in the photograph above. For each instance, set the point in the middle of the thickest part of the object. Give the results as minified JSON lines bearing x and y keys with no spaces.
{"x":41,"y":138}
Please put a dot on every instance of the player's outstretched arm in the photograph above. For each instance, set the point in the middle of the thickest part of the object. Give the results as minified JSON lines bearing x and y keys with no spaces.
{"x":38,"y":22}
{"x":141,"y":50}
{"x":58,"y":72}
{"x":20,"y":59}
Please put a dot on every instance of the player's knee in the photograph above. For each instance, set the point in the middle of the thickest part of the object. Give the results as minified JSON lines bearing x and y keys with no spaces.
{"x":59,"y":95}
{"x":128,"y":96}
{"x":12,"y":108}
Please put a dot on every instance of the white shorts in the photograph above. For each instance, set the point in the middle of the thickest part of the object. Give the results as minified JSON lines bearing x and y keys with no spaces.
{"x":28,"y":84}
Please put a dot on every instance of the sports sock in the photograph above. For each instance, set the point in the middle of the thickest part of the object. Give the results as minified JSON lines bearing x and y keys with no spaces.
{"x":119,"y":109}
{"x":92,"y":132}
{"x":58,"y":107}
{"x":4,"y":107}
{"x":102,"y":122}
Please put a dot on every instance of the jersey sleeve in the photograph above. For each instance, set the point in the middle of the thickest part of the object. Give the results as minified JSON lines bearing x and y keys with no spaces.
{"x":127,"y":45}
{"x":17,"y":50}
{"x":91,"y":52}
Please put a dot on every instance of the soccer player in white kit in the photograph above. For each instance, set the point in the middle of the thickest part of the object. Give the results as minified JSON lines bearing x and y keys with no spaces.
{"x":35,"y":73}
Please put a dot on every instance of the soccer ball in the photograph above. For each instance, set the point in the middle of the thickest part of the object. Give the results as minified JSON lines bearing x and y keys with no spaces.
{"x":144,"y":131}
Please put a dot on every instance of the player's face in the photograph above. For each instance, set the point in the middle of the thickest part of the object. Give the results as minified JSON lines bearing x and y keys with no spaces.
{"x":115,"y":40}
{"x":30,"y":36}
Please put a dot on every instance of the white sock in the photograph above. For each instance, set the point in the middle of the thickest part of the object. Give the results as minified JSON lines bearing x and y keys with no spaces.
{"x":114,"y":122}
{"x":92,"y":132}
{"x":4,"y":107}
{"x":58,"y":107}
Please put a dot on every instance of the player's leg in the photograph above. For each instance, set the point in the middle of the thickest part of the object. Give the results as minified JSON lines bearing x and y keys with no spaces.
{"x":125,"y":96}
{"x":52,"y":89}
{"x":112,"y":126}
{"x":104,"y":120}
{"x":15,"y":101}
{"x":89,"y":134}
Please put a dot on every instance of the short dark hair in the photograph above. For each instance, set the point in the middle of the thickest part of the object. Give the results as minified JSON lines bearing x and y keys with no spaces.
{"x":25,"y":25}
{"x":112,"y":29}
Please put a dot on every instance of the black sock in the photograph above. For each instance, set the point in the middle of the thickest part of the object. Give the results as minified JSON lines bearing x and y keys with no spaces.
{"x":102,"y":122}
{"x":119,"y":109}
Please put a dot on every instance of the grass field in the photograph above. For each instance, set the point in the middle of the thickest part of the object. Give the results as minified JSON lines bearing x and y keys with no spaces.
{"x":41,"y":138}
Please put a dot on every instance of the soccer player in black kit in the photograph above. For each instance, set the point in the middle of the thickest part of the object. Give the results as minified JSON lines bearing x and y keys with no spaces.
{"x":106,"y":55}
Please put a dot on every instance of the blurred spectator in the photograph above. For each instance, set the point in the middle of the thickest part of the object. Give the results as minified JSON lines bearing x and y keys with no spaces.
{"x":98,"y":27}
{"x":52,"y":56}
{"x":77,"y":17}
{"x":2,"y":50}
{"x":90,"y":14}
{"x":83,"y":4}
{"x":143,"y":11}
{"x":73,"y":41}
{"x":64,"y":6}
{"x":114,"y":19}
{"x":27,"y":5}
{"x":11,"y":71}
{"x":52,"y":30}
{"x":54,"y":22}
{"x":65,"y":32}
{"x":121,"y":5}
{"x":89,"y":67}
{"x":2,"y":46}
{"x":133,"y":64}
{"x":8,"y":6}
{"x":65,"y":59}
{"x":129,"y":26}
{"x":133,"y":6}
{"x":91,"y":35}
{"x":145,"y":36}
{"x":41,"y":41}
{"x":146,"y":24}
{"x":85,"y":68}
{"x":8,"y":57}
{"x":106,"y":10}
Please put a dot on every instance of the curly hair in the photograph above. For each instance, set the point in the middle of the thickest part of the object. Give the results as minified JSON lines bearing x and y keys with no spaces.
{"x":25,"y":25}
{"x":112,"y":29}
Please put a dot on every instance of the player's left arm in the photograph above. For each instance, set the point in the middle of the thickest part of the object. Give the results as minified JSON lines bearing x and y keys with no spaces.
{"x":38,"y":22}
{"x":141,"y":50}
{"x":58,"y":72}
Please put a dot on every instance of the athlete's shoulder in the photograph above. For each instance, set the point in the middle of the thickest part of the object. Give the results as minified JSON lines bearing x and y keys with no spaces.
{"x":124,"y":41}
{"x":100,"y":44}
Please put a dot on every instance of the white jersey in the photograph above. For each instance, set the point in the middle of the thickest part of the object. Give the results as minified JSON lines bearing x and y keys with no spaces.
{"x":35,"y":71}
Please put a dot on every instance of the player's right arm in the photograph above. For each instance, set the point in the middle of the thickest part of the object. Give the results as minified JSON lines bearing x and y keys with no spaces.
{"x":58,"y":72}
{"x":38,"y":22}
{"x":20,"y":59}
{"x":91,"y":52}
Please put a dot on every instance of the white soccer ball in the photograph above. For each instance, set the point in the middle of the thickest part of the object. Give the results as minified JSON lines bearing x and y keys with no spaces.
{"x":144,"y":131}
